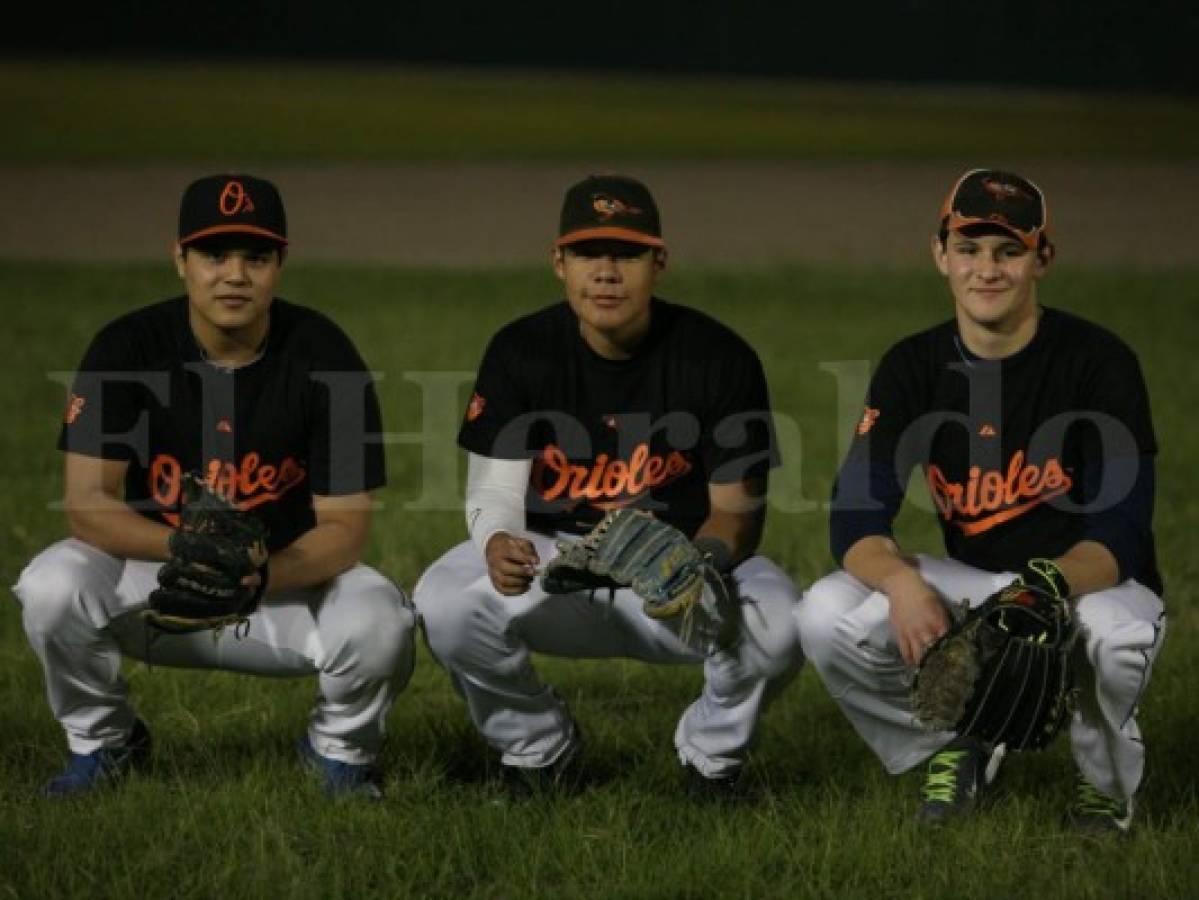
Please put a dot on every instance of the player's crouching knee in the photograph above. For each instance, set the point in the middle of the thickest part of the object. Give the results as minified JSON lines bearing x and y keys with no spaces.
{"x":452,"y":619}
{"x":777,"y":653}
{"x":1121,"y":658}
{"x":785,"y":657}
{"x":374,"y":634}
{"x":817,"y":616}
{"x":51,"y":596}
{"x":768,"y":597}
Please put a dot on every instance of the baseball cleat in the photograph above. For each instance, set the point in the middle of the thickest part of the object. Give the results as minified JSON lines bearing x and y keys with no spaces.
{"x":87,"y":772}
{"x":727,"y":789}
{"x":563,"y":776}
{"x":956,"y":778}
{"x":341,"y":780}
{"x":1094,"y":812}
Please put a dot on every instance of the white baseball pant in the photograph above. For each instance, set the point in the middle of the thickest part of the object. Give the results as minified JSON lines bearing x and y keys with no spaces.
{"x":484,"y":639}
{"x":846,"y":633}
{"x":81,"y":613}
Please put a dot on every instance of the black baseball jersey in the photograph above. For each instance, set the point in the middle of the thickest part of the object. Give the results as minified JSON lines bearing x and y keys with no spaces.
{"x":689,"y":408}
{"x":301,"y":420}
{"x":1023,"y":457}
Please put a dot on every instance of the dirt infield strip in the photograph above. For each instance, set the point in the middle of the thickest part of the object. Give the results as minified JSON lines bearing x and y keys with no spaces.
{"x":1138,"y":214}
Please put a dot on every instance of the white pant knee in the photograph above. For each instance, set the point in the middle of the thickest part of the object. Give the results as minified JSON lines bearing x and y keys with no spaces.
{"x":59,"y":588}
{"x":1121,"y":661}
{"x":366,"y":627}
{"x":1121,"y":633}
{"x":460,"y":610}
{"x":769,"y":598}
{"x":820,"y":611}
{"x":446,"y":620}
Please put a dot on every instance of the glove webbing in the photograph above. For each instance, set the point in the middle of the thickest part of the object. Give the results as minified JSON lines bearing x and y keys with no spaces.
{"x":1037,"y":688}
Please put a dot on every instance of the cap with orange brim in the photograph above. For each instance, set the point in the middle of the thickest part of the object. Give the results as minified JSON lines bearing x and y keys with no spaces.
{"x":217,"y":205}
{"x":996,"y":197}
{"x":609,"y":207}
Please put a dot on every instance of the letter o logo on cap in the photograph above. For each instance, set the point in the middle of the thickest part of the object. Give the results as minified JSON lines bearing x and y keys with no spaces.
{"x":234,"y":199}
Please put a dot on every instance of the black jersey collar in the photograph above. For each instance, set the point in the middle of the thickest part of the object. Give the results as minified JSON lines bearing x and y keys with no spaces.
{"x":660,"y":314}
{"x":1045,"y":325}
{"x":189,"y":347}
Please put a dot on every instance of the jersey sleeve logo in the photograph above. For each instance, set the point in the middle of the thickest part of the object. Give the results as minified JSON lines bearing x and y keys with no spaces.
{"x":869,"y":417}
{"x":991,"y":498}
{"x":74,"y":408}
{"x":475,"y":408}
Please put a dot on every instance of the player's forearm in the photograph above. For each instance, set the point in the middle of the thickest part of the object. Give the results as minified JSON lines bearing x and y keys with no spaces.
{"x":110,"y":525}
{"x":1088,"y":567}
{"x":315,"y":557}
{"x":495,"y":497}
{"x":876,"y":562}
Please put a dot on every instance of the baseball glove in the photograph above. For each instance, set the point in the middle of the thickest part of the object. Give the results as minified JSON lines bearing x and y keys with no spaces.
{"x":1002,"y":671}
{"x":215,"y":546}
{"x":631,"y":548}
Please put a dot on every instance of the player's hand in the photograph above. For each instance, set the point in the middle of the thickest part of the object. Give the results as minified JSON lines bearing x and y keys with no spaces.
{"x":918,"y":616}
{"x":511,"y":563}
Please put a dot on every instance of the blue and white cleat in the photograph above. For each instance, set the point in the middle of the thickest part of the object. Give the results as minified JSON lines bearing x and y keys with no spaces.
{"x":341,"y":780}
{"x":87,"y":772}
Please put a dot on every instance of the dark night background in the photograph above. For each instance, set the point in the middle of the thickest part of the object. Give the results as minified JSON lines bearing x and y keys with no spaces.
{"x":1104,"y":44}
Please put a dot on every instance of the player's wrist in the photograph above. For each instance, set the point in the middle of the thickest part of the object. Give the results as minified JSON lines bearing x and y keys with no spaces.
{"x":264,"y":580}
{"x":490,"y":537}
{"x":906,"y":585}
{"x":716,"y":552}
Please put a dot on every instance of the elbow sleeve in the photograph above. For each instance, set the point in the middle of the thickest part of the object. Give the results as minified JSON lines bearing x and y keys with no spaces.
{"x":495,"y":496}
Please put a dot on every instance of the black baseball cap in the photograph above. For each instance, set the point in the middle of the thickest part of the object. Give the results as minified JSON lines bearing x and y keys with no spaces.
{"x":231,"y":204}
{"x":995,"y":197}
{"x":610,"y":207}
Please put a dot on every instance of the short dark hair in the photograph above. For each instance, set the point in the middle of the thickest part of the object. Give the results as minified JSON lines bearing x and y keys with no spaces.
{"x":609,"y":247}
{"x":1045,"y":249}
{"x":234,"y":241}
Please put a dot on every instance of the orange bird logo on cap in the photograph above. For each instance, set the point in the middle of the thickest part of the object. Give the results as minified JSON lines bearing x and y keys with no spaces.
{"x":607,"y":207}
{"x":1001,"y":190}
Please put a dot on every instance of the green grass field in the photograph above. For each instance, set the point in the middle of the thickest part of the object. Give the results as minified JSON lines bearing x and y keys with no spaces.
{"x":73,"y":112}
{"x":224,"y":812}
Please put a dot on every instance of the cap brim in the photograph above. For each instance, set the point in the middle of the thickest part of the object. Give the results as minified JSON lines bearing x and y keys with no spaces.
{"x":232,"y":229}
{"x":957,"y":222}
{"x":610,"y":234}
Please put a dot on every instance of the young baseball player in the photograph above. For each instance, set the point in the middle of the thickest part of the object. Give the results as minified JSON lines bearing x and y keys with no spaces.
{"x":272,"y":406}
{"x":612,"y":398}
{"x":1032,"y":429}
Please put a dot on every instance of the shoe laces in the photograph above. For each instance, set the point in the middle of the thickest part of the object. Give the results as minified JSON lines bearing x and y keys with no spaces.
{"x":941,"y":784}
{"x":1091,"y":801}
